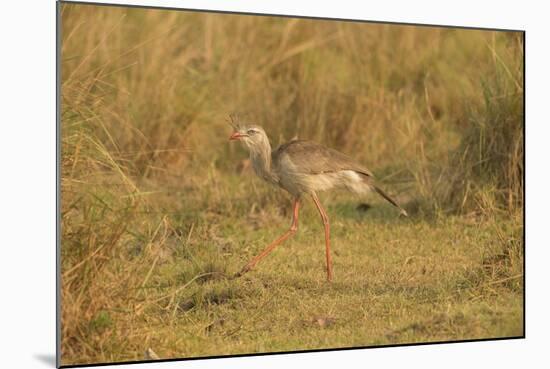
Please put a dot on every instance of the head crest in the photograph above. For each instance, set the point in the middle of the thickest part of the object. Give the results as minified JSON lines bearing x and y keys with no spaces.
{"x":235,"y":121}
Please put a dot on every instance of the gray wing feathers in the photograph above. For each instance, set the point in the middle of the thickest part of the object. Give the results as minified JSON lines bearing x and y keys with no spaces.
{"x":312,"y":158}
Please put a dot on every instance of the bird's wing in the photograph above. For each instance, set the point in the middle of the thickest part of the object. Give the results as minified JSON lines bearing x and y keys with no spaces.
{"x":311,"y":158}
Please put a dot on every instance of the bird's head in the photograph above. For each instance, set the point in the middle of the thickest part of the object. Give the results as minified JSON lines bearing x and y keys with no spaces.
{"x":253,"y":136}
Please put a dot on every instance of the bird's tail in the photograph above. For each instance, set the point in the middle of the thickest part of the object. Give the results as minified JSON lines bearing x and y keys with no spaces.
{"x":390,"y":200}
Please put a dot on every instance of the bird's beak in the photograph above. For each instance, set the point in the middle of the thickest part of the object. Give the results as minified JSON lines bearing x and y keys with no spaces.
{"x":235,"y":136}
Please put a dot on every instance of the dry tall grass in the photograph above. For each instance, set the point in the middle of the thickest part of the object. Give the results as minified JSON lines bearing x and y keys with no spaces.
{"x":145,"y":94}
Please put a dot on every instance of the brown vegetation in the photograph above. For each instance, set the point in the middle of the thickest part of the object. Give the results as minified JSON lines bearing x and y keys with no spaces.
{"x":156,"y":209}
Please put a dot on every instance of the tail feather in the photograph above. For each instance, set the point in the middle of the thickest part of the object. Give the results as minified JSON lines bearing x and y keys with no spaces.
{"x":390,"y":200}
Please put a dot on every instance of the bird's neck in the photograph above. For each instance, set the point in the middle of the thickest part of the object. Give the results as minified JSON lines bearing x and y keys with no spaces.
{"x":261,"y":161}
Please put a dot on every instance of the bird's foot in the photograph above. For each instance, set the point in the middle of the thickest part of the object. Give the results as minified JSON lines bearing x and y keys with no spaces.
{"x":244,"y":270}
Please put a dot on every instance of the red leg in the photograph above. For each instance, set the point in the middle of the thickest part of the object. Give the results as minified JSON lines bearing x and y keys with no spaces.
{"x":324,"y":217}
{"x":293,"y":228}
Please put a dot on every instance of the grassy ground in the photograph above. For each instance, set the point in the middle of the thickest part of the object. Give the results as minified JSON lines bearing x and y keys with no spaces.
{"x":396,"y":280}
{"x":158,"y":209}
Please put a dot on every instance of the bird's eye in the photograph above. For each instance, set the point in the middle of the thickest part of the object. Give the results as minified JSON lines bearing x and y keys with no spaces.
{"x":251,"y":131}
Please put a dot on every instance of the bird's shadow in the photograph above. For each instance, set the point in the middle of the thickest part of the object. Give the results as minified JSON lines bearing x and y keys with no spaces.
{"x":364,"y":211}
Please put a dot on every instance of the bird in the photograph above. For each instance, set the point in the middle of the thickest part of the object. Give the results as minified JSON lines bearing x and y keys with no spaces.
{"x":303,"y":168}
